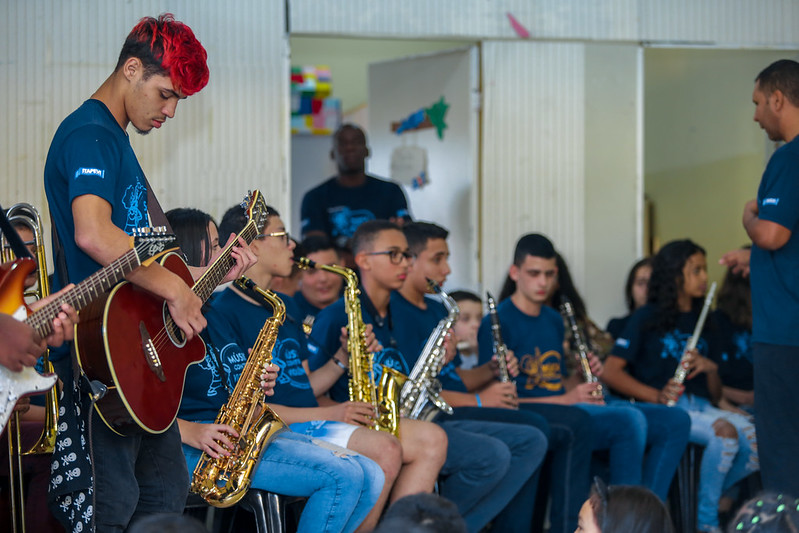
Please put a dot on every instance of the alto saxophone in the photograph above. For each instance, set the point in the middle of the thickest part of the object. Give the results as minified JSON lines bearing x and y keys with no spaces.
{"x":567,"y":310}
{"x":420,"y":397}
{"x":383,"y":397}
{"x":682,"y":370}
{"x":223,"y":481}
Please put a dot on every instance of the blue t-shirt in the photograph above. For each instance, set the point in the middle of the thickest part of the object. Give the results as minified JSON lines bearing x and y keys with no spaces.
{"x":735,"y":352}
{"x":338,"y":210}
{"x":305,"y":308}
{"x":324,"y":342}
{"x":234,"y":319}
{"x":414,"y":326}
{"x":616,"y":326}
{"x":537,"y":342}
{"x":652,"y":356}
{"x":775,"y":274}
{"x":91,"y":154}
{"x":209,"y":383}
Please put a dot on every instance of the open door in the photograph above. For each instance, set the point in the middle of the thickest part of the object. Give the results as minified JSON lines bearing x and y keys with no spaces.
{"x":447,"y":85}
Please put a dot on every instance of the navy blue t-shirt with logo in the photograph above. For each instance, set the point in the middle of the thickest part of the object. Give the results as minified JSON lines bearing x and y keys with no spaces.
{"x":231,"y":318}
{"x":91,"y":154}
{"x":324,"y":342}
{"x":653,"y":356}
{"x":735,"y":352}
{"x":413,"y":326}
{"x":537,"y":342}
{"x":338,"y":211}
{"x":775,"y":274}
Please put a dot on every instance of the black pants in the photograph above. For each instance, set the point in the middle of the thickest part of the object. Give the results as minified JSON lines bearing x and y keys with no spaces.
{"x":776,"y":420}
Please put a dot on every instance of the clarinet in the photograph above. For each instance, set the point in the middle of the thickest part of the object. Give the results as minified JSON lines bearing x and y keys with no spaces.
{"x":682,"y":370}
{"x":567,"y":310}
{"x":499,"y":347}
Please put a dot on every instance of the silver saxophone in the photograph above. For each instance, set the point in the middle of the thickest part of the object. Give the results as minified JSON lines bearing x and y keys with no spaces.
{"x":420,"y":398}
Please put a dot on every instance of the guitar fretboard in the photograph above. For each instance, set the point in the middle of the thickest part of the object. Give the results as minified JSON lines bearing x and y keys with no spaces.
{"x":84,"y":292}
{"x":211,"y":278}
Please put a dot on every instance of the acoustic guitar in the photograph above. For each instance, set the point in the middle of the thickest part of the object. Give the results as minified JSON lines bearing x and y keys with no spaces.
{"x":146,"y":245}
{"x":129,"y":342}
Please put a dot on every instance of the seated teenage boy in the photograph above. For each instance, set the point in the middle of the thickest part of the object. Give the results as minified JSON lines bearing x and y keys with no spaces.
{"x":410,"y":465}
{"x":475,"y":475}
{"x":535,"y":333}
{"x":318,"y":288}
{"x":415,"y":318}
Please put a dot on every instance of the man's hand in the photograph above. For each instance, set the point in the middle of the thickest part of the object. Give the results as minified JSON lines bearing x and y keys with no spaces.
{"x":360,"y":413}
{"x":500,"y":395}
{"x":510,"y":360}
{"x":595,"y":364}
{"x":21,"y":346}
{"x":243,"y":255}
{"x":63,"y":323}
{"x":586,"y":393}
{"x":186,"y":310}
{"x":737,"y":260}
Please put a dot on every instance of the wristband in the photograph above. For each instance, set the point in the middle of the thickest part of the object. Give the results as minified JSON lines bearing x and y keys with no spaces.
{"x":341,"y":365}
{"x":479,"y":403}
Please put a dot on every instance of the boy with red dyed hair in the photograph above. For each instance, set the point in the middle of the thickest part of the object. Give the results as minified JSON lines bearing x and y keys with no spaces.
{"x":98,"y":194}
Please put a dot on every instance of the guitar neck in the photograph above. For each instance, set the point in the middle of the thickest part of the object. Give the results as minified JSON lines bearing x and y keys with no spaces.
{"x":84,"y":292}
{"x":215,"y":273}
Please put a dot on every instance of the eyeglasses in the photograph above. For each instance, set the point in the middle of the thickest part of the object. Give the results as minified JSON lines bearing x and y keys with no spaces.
{"x":284,"y":234}
{"x":395,"y":256}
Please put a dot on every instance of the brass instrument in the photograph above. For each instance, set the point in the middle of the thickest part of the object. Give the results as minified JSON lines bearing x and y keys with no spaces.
{"x":682,"y":370}
{"x":580,"y":345}
{"x":223,"y":481}
{"x":27,"y":216}
{"x":420,"y":397}
{"x":384,"y":397}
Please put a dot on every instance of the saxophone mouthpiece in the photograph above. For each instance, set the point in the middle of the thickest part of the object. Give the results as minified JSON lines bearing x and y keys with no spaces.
{"x":432,"y":286}
{"x":245,"y":283}
{"x":304,"y":262}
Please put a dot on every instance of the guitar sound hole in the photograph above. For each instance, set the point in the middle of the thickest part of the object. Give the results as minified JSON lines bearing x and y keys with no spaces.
{"x":175,"y":334}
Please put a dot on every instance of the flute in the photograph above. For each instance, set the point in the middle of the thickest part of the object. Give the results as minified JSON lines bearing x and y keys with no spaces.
{"x":682,"y":370}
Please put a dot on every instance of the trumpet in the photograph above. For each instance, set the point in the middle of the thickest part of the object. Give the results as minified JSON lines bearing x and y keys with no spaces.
{"x":25,"y":216}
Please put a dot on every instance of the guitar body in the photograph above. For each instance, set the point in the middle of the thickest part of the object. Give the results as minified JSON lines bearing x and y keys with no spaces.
{"x":110,"y":344}
{"x":14,"y":385}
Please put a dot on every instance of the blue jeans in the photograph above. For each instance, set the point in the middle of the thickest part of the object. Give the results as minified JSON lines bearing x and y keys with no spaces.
{"x":487,"y":464}
{"x":136,"y":475}
{"x":341,"y":486}
{"x":621,"y":429}
{"x":725,"y":461}
{"x":776,"y":404}
{"x":667,"y":432}
{"x":570,"y":440}
{"x":517,"y":516}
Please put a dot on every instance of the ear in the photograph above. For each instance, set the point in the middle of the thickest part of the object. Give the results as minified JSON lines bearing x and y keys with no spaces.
{"x":513,"y":272}
{"x":362,"y":261}
{"x":132,"y":67}
{"x":777,"y":100}
{"x":367,"y":154}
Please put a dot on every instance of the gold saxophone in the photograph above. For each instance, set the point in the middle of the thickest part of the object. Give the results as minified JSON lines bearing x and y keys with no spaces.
{"x":384,"y":397}
{"x":223,"y":481}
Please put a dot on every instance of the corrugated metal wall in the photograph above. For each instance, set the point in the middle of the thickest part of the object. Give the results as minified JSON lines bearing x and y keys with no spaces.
{"x":731,"y":22}
{"x":533,"y":151}
{"x":230,"y":137}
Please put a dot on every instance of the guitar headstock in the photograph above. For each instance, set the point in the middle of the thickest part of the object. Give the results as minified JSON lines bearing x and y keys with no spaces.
{"x":256,"y":209}
{"x":152,"y":243}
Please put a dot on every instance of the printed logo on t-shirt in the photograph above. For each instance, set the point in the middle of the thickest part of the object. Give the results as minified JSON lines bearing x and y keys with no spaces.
{"x":90,"y":172}
{"x":286,"y":356}
{"x":391,"y":358}
{"x":542,"y":370}
{"x":770,"y":201}
{"x":135,"y":203}
{"x":624,"y":343}
{"x":345,"y":220}
{"x":674,"y":343}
